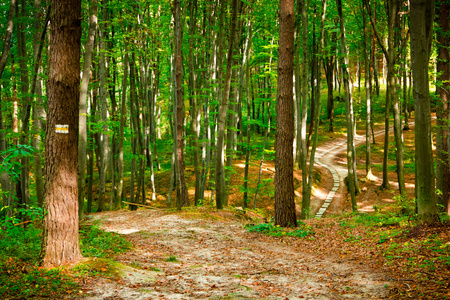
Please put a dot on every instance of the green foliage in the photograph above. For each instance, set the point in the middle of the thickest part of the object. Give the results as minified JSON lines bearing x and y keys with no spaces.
{"x":20,"y":281}
{"x":18,"y":241}
{"x":95,"y":242}
{"x":20,"y":247}
{"x":272,"y":230}
{"x":172,"y":258}
{"x":11,"y":159}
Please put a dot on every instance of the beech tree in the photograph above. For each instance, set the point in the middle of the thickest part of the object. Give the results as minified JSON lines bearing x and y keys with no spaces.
{"x":61,"y":243}
{"x":422,"y":12}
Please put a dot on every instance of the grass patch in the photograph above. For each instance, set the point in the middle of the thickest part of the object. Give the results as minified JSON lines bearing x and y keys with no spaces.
{"x":95,"y":242}
{"x":272,"y":230}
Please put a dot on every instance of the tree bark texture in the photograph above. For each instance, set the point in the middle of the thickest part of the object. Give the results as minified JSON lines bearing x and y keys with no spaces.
{"x":443,"y":89}
{"x":284,"y":161}
{"x":61,"y":194}
{"x":422,"y":12}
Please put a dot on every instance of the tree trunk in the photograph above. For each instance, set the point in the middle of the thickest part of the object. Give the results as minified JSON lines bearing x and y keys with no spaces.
{"x":304,"y":84}
{"x":368,"y":98}
{"x":443,"y":87}
{"x":39,"y":114}
{"x":82,"y":140}
{"x":422,"y":12}
{"x":4,"y":178}
{"x":61,"y":196}
{"x":349,"y":108}
{"x":103,"y":144}
{"x":183,"y":199}
{"x":221,"y":189}
{"x":284,"y":184}
{"x":23,"y":185}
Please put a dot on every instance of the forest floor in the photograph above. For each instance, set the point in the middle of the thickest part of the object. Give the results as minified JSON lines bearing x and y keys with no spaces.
{"x":203,"y":253}
{"x":207,"y":254}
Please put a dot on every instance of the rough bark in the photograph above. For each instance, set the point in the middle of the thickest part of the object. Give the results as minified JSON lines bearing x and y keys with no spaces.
{"x":284,"y":186}
{"x":61,"y":194}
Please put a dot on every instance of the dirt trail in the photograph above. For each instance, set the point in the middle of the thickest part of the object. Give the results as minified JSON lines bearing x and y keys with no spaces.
{"x":216,"y":258}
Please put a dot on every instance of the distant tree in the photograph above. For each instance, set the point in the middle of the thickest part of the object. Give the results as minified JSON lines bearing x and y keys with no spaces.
{"x":422,"y":12}
{"x":61,"y":243}
{"x":284,"y":159}
{"x":4,"y":179}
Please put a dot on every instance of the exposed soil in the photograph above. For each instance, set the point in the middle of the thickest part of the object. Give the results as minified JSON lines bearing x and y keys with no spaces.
{"x":208,"y":254}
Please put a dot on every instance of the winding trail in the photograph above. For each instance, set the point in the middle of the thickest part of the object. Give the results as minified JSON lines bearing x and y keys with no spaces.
{"x":325,"y":157}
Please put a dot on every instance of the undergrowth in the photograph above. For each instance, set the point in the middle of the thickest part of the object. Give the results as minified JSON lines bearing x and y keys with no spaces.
{"x":21,"y":277}
{"x":272,"y":230}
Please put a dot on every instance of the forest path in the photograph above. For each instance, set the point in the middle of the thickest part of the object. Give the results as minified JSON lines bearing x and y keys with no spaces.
{"x":210,"y":255}
{"x":326,"y":157}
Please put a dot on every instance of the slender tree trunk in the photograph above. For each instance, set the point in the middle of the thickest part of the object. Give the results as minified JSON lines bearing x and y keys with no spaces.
{"x":23,"y":185}
{"x":195,"y":110}
{"x":104,"y":146}
{"x":443,"y":88}
{"x":221,"y":189}
{"x":39,"y":114}
{"x":183,"y":199}
{"x":4,"y":178}
{"x":61,"y":152}
{"x":284,"y":186}
{"x":303,"y":6}
{"x":123,"y":115}
{"x":315,"y":119}
{"x":248,"y":146}
{"x":349,"y":109}
{"x":82,"y":139}
{"x":422,"y":12}
{"x":368,"y":98}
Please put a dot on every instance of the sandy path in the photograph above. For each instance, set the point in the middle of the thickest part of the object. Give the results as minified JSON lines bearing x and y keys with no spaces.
{"x":218,"y":259}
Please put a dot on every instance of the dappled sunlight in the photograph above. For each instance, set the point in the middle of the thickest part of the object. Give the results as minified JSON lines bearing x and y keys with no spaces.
{"x":366,"y":208}
{"x":320,"y":193}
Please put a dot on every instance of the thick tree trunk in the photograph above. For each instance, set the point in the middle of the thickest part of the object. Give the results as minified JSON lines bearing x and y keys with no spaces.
{"x":422,"y":12}
{"x":61,"y":152}
{"x":284,"y":185}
